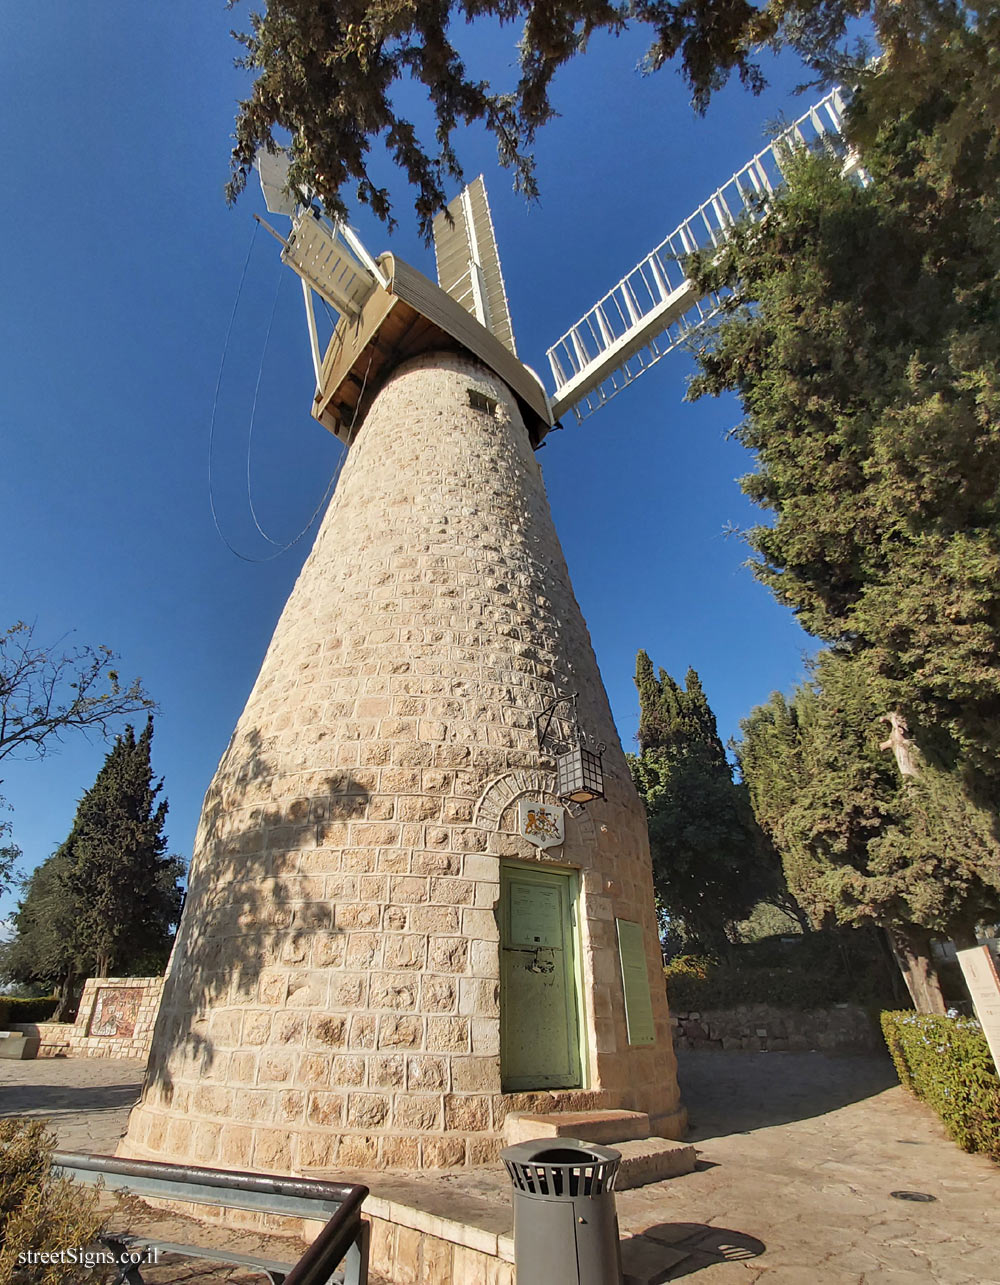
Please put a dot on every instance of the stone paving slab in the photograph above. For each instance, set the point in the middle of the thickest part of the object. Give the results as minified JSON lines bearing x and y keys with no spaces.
{"x":86,"y":1100}
{"x":797,"y":1156}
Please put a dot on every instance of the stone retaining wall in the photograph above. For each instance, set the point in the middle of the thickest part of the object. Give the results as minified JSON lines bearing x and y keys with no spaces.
{"x":767,"y":1028}
{"x":54,"y":1038}
{"x":115,"y":1019}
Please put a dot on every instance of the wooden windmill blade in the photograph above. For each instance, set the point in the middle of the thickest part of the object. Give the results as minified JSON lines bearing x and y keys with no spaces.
{"x":654,"y":308}
{"x":468,"y":262}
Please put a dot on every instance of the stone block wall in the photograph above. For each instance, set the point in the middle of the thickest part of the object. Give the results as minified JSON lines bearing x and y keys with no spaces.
{"x":116,"y":1018}
{"x":767,"y":1028}
{"x":55,"y":1039}
{"x":334,"y":995}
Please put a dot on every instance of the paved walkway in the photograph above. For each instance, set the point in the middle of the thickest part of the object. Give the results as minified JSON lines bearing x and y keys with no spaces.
{"x":86,"y":1100}
{"x":798,"y":1156}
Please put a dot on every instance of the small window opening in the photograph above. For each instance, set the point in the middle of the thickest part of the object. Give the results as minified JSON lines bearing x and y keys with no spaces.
{"x":479,"y":401}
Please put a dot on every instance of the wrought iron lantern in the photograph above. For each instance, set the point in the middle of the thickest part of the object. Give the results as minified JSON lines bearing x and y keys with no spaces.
{"x":579,"y":775}
{"x":579,"y":771}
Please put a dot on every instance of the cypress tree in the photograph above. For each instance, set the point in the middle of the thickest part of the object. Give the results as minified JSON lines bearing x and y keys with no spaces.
{"x":863,"y":337}
{"x":711,"y":862}
{"x":107,"y":898}
{"x":125,"y":888}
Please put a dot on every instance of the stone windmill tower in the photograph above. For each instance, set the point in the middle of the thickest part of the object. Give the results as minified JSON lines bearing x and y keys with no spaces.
{"x":400,"y":927}
{"x":420,"y":900}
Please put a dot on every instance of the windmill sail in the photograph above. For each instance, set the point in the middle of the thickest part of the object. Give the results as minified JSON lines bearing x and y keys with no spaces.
{"x":468,"y":263}
{"x":654,"y":308}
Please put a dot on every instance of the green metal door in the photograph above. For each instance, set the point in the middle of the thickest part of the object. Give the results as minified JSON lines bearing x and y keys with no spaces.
{"x":539,"y":1021}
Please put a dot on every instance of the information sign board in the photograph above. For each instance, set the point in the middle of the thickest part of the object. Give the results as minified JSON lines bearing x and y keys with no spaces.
{"x":980,"y":973}
{"x":635,"y":982}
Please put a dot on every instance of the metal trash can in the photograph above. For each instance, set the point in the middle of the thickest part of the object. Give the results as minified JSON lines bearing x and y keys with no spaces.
{"x":565,"y":1221}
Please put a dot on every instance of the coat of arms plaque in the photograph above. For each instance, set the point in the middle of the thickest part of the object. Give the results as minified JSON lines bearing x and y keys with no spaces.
{"x":542,"y":824}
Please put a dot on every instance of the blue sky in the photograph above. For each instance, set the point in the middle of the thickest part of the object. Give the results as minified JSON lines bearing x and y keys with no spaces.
{"x":118,"y":279}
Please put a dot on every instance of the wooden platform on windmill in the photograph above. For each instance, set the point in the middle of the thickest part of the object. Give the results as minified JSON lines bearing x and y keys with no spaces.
{"x":409,"y":317}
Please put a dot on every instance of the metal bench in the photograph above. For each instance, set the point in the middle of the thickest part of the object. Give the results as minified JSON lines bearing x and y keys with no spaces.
{"x":343,"y":1243}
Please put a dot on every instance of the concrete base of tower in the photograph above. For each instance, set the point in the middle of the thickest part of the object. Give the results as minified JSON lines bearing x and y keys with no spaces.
{"x":456,"y":1228}
{"x":163,"y":1135}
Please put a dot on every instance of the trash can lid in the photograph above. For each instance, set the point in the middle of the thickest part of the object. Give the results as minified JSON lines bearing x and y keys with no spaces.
{"x":564,"y":1168}
{"x":558,"y":1151}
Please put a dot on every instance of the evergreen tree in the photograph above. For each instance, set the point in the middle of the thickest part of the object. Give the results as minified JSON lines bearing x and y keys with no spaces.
{"x":106,"y":900}
{"x":711,"y":863}
{"x":46,"y":946}
{"x":327,"y":73}
{"x":860,"y":842}
{"x":125,"y":888}
{"x":863,"y":336}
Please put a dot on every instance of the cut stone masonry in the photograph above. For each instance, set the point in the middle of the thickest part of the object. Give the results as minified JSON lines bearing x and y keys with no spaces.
{"x":334,"y":994}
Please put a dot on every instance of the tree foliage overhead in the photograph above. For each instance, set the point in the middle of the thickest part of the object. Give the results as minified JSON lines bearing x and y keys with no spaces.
{"x":44,"y":693}
{"x":328,"y":72}
{"x":863,"y":337}
{"x":711,"y":863}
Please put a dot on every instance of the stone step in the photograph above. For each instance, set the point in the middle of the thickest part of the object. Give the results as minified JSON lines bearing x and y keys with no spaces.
{"x":646,"y":1160}
{"x":17,"y":1046}
{"x":606,"y":1128}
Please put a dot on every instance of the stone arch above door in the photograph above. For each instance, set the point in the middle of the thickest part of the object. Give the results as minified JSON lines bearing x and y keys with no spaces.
{"x":497,"y":797}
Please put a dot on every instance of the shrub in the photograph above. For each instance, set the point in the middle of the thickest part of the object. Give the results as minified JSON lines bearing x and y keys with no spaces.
{"x":947,"y":1063}
{"x":15,"y":1009}
{"x":40,"y":1212}
{"x":723,"y":986}
{"x":803,"y":972}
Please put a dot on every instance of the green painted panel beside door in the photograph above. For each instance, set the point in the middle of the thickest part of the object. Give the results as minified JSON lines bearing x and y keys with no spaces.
{"x":539,"y":999}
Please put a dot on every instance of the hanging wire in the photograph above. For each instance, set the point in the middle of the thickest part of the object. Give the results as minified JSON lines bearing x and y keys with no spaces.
{"x":211,"y":435}
{"x":253,"y":409}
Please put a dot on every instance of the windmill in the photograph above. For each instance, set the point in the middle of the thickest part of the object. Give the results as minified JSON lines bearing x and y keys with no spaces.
{"x":420,"y":904}
{"x":652,"y":309}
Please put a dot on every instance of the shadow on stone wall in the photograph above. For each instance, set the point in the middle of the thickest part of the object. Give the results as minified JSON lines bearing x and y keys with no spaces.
{"x":255,"y":910}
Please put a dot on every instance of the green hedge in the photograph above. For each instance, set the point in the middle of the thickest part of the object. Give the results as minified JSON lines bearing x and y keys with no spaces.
{"x":13,"y":1009}
{"x":811,"y":972}
{"x":947,"y":1062}
{"x":694,"y":983}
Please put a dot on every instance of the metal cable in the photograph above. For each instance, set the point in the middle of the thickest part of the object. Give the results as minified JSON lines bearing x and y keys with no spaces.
{"x":211,"y":436}
{"x":253,"y":409}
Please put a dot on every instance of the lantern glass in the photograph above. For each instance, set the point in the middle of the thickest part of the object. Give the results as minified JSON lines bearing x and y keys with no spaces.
{"x":580,"y":775}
